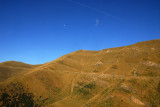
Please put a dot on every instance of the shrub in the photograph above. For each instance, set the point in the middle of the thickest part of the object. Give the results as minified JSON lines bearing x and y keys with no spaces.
{"x":90,"y":86}
{"x":15,"y":95}
{"x":85,"y":90}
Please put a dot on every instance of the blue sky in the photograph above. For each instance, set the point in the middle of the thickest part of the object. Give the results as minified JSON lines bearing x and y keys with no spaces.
{"x":39,"y":31}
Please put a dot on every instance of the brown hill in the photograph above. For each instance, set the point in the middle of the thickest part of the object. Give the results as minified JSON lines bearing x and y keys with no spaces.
{"x":123,"y":76}
{"x":10,"y":69}
{"x":15,"y":64}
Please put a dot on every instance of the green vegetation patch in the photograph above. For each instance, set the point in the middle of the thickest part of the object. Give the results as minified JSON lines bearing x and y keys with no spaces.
{"x":85,"y":90}
{"x":125,"y":90}
{"x":16,"y":95}
{"x":90,"y":86}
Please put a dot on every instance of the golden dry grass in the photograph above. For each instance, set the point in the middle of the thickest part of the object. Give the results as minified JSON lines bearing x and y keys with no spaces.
{"x":126,"y":77}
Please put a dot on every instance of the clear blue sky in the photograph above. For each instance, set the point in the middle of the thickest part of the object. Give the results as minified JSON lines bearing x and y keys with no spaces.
{"x":39,"y":31}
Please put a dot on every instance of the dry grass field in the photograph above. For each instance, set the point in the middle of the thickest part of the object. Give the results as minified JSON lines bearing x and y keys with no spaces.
{"x":126,"y":76}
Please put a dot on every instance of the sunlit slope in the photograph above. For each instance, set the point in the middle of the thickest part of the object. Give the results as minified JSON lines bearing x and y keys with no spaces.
{"x":12,"y":68}
{"x":44,"y":84}
{"x":15,"y":64}
{"x":125,"y":76}
{"x":92,"y":90}
{"x":141,"y":59}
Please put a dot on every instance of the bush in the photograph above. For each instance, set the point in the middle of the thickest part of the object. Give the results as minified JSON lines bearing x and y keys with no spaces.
{"x":90,"y":86}
{"x":15,"y":96}
{"x":85,"y":90}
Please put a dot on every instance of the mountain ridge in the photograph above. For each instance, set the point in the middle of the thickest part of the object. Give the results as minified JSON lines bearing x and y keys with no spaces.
{"x":147,"y":41}
{"x":122,"y":76}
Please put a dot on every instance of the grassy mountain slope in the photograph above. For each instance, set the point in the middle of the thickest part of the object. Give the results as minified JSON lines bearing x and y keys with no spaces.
{"x":123,"y":76}
{"x":10,"y":69}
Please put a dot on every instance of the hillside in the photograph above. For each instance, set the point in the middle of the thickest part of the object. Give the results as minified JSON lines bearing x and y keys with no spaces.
{"x":10,"y":69}
{"x":126,"y":76}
